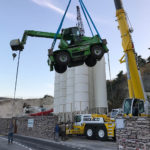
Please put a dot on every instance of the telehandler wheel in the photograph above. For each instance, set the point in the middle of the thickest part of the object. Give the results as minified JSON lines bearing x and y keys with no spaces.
{"x":89,"y":132}
{"x":90,"y":61}
{"x":97,"y":52}
{"x":60,"y":68}
{"x":62,"y":58}
{"x":101,"y":133}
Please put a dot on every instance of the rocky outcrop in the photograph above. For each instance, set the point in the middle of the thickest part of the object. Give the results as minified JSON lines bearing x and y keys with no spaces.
{"x":7,"y":103}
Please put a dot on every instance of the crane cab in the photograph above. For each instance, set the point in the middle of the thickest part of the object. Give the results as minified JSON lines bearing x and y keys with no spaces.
{"x":133,"y":107}
{"x":71,"y":35}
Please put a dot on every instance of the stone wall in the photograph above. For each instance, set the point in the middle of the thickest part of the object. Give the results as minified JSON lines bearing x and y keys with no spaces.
{"x":4,"y":124}
{"x":135,"y":135}
{"x":43,"y":126}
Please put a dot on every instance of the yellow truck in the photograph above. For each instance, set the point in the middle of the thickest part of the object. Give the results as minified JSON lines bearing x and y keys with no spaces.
{"x":92,"y":126}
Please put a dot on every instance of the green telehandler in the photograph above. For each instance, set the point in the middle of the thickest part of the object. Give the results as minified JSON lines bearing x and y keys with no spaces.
{"x":74,"y":49}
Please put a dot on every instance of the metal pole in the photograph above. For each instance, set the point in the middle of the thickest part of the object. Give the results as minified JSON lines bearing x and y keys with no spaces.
{"x":13,"y":102}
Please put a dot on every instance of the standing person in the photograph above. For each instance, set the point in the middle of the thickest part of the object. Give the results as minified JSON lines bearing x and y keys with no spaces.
{"x":56,"y":132}
{"x":63,"y":131}
{"x":11,"y":131}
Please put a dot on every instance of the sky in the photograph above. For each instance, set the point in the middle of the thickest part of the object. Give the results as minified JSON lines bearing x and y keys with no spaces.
{"x":35,"y":79}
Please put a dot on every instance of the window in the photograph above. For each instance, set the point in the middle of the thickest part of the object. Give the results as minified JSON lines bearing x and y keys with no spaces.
{"x":141,"y":107}
{"x":96,"y":119}
{"x":77,"y":119}
{"x":127,"y":106}
{"x":87,"y":119}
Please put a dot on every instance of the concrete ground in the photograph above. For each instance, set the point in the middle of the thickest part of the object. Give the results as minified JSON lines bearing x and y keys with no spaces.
{"x":92,"y":144}
{"x":15,"y":146}
{"x":74,"y":142}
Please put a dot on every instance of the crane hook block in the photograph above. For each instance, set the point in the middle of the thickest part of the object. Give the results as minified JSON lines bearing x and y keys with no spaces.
{"x":16,"y":45}
{"x":14,"y":55}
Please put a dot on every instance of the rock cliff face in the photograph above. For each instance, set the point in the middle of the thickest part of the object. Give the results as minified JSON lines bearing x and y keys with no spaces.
{"x":6,"y":105}
{"x":117,"y":89}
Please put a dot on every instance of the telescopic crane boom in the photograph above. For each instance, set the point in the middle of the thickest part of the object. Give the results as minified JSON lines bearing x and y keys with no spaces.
{"x":136,"y":91}
{"x":134,"y":82}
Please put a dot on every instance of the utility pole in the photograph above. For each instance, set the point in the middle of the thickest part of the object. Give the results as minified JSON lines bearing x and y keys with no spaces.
{"x":80,"y":22}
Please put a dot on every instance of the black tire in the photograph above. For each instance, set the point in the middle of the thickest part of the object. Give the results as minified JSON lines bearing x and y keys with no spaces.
{"x":97,"y":52}
{"x":60,"y":68}
{"x":89,"y":132}
{"x":114,"y":138}
{"x":101,"y":133}
{"x":62,"y":58}
{"x":90,"y":61}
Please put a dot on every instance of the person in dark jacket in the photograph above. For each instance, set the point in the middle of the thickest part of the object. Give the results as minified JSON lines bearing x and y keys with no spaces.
{"x":56,"y":132}
{"x":11,"y":131}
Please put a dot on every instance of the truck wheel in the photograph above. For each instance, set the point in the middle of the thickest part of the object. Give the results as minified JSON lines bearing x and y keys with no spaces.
{"x":90,"y":61}
{"x":97,"y":52}
{"x":102,"y":133}
{"x":89,"y":132}
{"x":60,"y":68}
{"x":62,"y":58}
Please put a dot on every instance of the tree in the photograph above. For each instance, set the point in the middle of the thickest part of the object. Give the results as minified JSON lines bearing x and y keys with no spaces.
{"x":141,"y":62}
{"x":120,"y":74}
{"x":148,"y":59}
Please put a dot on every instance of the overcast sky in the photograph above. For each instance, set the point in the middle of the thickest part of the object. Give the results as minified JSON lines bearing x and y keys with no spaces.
{"x":35,"y":79}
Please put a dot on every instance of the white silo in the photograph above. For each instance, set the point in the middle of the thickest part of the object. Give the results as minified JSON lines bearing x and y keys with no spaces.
{"x":70,"y":93}
{"x":70,"y":89}
{"x":56,"y":93}
{"x":62,"y":102}
{"x":81,"y":97}
{"x":100,"y":89}
{"x":91,"y":89}
{"x":81,"y":90}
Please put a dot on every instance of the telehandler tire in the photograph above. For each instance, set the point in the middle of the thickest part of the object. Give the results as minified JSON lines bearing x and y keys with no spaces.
{"x":97,"y":52}
{"x":62,"y":58}
{"x":90,"y":61}
{"x":60,"y":68}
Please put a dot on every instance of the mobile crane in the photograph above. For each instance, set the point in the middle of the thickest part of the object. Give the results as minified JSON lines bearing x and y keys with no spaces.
{"x":136,"y":104}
